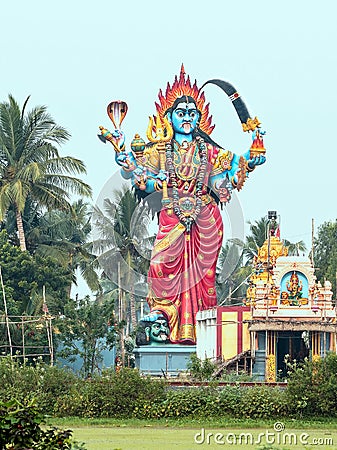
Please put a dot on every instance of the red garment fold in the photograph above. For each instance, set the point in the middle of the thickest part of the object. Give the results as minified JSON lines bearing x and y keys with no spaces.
{"x":182,"y":276}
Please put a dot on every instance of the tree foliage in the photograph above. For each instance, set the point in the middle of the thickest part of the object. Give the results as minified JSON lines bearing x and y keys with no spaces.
{"x":31,"y":168}
{"x":295,"y":248}
{"x":325,"y":253}
{"x":86,"y":329}
{"x":231,"y":274}
{"x":22,"y":426}
{"x":28,"y":280}
{"x":122,"y":244}
{"x":65,"y":236}
{"x":24,"y":277}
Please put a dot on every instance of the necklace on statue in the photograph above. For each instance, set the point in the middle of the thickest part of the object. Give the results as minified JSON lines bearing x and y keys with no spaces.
{"x":187,"y":209}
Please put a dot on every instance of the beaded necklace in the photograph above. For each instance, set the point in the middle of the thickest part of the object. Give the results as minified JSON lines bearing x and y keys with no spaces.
{"x":187,"y":218}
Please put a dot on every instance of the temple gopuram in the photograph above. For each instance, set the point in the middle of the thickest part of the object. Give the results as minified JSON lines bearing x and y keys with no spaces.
{"x":286,"y":314}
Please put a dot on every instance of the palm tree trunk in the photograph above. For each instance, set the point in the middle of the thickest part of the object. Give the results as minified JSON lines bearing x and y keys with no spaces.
{"x":230,"y":294}
{"x":133,"y":311}
{"x":21,"y":233}
{"x":133,"y":315}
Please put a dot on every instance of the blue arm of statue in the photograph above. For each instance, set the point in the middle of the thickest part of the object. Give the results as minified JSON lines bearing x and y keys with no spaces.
{"x":141,"y":177}
{"x":232,"y":174}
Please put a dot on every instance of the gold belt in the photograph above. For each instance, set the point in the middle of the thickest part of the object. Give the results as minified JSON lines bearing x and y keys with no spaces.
{"x":206,"y":199}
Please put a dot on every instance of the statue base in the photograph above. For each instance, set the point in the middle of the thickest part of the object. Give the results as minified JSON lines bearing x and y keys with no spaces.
{"x":163,"y":360}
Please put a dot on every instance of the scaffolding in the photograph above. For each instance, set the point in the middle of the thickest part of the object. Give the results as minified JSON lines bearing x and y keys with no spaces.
{"x":20,"y":331}
{"x":26,"y":336}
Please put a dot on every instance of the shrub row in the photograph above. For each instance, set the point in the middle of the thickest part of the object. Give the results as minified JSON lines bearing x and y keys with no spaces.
{"x":61,"y":393}
{"x":231,"y":401}
{"x":311,"y":391}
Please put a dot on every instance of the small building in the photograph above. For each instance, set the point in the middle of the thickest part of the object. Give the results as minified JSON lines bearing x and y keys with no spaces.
{"x":286,"y":312}
{"x":223,"y":332}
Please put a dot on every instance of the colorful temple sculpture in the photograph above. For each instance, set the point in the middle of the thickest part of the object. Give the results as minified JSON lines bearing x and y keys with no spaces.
{"x":183,"y":175}
{"x":287,"y":313}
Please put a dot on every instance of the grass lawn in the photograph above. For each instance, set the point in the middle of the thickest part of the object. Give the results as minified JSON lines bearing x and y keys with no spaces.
{"x":160,"y":435}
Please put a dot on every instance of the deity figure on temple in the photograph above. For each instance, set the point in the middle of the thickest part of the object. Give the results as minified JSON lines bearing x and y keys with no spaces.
{"x":251,"y":295}
{"x":294,"y":287}
{"x":285,"y":298}
{"x":192,"y":174}
{"x":273,"y":295}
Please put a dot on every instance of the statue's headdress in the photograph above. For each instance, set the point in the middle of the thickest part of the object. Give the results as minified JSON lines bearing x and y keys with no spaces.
{"x":294,"y":277}
{"x":183,"y":87}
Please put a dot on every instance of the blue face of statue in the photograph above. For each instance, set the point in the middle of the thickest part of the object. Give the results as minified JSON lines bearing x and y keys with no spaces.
{"x":184,"y":118}
{"x":159,"y":331}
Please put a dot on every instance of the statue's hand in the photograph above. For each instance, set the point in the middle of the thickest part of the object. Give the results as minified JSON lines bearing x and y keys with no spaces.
{"x":122,"y":159}
{"x":162,"y":176}
{"x":256,"y":161}
{"x":258,"y":133}
{"x":119,"y":136}
{"x":139,"y":171}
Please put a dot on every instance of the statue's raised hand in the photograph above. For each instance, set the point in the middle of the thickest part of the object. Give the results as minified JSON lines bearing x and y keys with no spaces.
{"x":123,"y":160}
{"x":256,"y":161}
{"x":257,"y":150}
{"x":116,"y":138}
{"x":119,"y":136}
{"x":160,"y":177}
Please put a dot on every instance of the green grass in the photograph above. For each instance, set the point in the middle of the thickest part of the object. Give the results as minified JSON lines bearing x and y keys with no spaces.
{"x":128,"y":434}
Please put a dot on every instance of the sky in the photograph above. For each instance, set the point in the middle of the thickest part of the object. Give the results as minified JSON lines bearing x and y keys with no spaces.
{"x":77,"y":56}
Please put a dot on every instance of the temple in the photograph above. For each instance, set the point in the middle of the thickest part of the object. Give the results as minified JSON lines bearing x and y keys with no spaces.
{"x":286,"y":312}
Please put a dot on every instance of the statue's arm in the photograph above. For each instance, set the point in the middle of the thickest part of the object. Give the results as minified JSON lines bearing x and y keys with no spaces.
{"x":229,"y":167}
{"x":143,"y":172}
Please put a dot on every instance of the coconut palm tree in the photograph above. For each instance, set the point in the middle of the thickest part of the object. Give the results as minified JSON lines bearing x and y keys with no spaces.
{"x":121,"y":239}
{"x":30,"y":164}
{"x":231,"y":274}
{"x":259,"y":233}
{"x":295,"y":248}
{"x":65,"y":236}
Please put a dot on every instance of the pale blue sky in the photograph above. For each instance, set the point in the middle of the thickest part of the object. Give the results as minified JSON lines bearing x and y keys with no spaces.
{"x":77,"y":56}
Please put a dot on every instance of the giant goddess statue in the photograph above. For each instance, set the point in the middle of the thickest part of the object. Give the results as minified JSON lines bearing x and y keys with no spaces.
{"x":192,"y":174}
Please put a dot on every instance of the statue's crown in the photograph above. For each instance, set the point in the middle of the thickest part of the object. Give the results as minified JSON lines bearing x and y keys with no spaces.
{"x":182,"y":86}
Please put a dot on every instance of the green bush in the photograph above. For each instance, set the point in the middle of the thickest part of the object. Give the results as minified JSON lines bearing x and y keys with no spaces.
{"x":230,"y":401}
{"x":262,"y":402}
{"x":109,"y":395}
{"x":55,"y":383}
{"x":128,"y":387}
{"x":312,"y":387}
{"x":183,"y":402}
{"x":311,"y":391}
{"x":17,"y":381}
{"x":20,"y":428}
{"x":201,"y":370}
{"x":39,"y":381}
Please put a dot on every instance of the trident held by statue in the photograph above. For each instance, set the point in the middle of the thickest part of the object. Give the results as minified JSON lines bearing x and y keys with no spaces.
{"x":162,"y":133}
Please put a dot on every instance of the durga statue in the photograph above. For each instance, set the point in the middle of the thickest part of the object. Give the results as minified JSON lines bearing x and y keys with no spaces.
{"x":192,"y":174}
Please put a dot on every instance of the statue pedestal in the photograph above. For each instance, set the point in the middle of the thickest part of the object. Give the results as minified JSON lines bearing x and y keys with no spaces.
{"x":168,"y":359}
